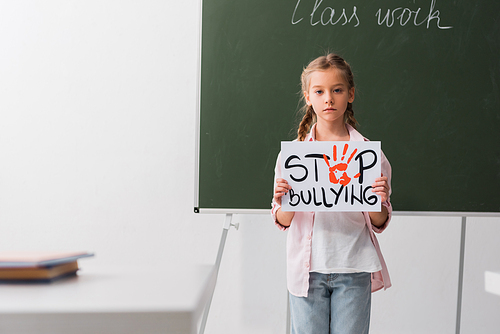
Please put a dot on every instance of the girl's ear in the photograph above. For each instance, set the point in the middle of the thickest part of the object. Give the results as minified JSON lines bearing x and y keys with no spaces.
{"x":351,"y":95}
{"x":306,"y":97}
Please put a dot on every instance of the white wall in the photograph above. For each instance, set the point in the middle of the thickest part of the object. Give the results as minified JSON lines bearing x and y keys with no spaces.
{"x":97,"y":128}
{"x":97,"y":125}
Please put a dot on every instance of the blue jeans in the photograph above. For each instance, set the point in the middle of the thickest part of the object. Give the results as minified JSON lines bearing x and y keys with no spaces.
{"x":336,"y":304}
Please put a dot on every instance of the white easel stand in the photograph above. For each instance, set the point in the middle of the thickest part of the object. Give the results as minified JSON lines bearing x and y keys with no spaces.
{"x":225,"y":229}
{"x":228,"y":224}
{"x":461,"y":275}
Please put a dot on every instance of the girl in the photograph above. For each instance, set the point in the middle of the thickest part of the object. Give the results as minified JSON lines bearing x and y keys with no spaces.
{"x":333,"y":258}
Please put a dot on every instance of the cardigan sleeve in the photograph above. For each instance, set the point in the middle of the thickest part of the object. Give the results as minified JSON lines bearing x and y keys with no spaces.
{"x":274,"y":205}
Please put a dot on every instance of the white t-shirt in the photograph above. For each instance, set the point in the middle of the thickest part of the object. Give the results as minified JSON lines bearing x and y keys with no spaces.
{"x":341,"y":244}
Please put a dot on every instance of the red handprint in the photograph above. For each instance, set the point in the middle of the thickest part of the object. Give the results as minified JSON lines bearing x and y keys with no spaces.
{"x":341,"y":167}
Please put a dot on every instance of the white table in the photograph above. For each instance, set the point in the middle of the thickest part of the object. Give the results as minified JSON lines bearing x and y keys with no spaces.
{"x":492,"y":282}
{"x":109,"y":301}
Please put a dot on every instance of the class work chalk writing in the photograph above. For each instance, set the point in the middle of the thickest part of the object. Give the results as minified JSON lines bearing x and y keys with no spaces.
{"x":330,"y":176}
{"x":325,"y":13}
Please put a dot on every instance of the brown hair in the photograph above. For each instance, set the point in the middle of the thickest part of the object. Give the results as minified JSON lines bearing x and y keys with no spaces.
{"x":323,"y":63}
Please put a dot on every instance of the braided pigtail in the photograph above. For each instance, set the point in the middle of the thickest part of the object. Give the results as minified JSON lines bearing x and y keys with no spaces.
{"x":349,"y":116}
{"x":305,"y":124}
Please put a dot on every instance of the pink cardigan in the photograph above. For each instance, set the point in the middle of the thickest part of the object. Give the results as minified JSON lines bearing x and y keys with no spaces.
{"x":300,"y":234}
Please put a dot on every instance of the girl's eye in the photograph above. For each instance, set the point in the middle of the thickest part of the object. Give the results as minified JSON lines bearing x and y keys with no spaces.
{"x":338,"y":90}
{"x":319,"y":92}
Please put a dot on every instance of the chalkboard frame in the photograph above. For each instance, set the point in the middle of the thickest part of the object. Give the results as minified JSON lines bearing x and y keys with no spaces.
{"x":222,"y":209}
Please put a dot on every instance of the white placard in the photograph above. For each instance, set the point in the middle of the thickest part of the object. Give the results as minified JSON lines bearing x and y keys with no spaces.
{"x":331,"y":176}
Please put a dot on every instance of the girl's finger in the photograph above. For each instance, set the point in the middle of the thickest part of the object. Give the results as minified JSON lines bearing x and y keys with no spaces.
{"x":384,"y":186}
{"x":285,"y":186}
{"x":380,"y":188}
{"x":381,"y":179}
{"x":283,"y":190}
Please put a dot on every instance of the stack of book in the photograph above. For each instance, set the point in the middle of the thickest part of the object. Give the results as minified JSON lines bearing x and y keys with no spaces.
{"x":21,"y":267}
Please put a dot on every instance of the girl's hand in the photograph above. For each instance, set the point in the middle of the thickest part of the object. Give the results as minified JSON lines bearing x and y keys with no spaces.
{"x":381,"y":188}
{"x":282,"y":187}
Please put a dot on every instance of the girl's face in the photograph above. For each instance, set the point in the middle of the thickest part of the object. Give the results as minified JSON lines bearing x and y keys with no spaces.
{"x":329,"y":94}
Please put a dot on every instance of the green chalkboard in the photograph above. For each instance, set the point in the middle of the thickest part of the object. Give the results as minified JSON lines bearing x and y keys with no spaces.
{"x":427,"y":76}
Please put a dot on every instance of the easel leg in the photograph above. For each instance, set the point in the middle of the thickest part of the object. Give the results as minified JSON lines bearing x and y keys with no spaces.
{"x":225,"y":229}
{"x":461,"y":275}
